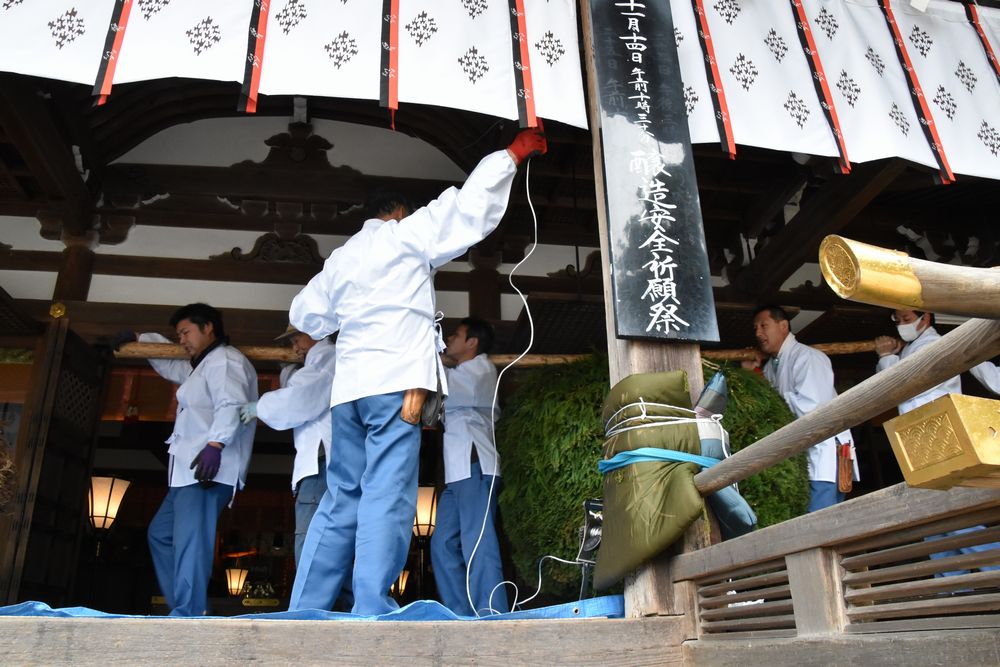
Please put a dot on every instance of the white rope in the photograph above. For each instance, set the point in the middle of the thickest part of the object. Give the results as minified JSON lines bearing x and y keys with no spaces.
{"x":493,"y":408}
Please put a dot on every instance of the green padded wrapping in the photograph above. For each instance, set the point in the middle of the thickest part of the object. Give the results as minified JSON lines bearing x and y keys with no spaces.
{"x":649,"y":505}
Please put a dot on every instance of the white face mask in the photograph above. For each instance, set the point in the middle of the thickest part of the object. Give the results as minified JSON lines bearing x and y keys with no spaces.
{"x":908,"y":332}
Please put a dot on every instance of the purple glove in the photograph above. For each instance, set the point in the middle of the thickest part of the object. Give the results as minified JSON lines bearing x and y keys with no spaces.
{"x":208,"y":461}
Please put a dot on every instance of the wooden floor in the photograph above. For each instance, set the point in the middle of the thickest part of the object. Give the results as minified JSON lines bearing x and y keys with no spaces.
{"x":163,"y":641}
{"x":949,"y":648}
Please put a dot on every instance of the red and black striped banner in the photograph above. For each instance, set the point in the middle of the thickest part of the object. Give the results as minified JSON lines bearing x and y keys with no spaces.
{"x":256,"y":37}
{"x":973,"y":15}
{"x":389,"y":70}
{"x":917,"y":95}
{"x":112,"y":47}
{"x":715,"y":86}
{"x":820,"y":81}
{"x":524,"y":93}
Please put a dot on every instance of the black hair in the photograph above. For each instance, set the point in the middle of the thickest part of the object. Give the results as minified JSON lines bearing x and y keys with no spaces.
{"x":201,"y":314}
{"x":481,"y":331}
{"x":776,"y":312}
{"x":384,"y":202}
{"x":919,"y":314}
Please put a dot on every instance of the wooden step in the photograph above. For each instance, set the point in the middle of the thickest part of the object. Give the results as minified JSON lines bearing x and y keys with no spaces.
{"x":217,"y":641}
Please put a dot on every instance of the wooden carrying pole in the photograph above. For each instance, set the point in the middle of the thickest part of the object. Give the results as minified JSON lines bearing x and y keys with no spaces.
{"x":961,"y":349}
{"x":286,"y":355}
{"x":869,"y":274}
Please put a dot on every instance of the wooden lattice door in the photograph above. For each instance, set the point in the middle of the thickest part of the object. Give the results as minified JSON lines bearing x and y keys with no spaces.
{"x":41,"y":535}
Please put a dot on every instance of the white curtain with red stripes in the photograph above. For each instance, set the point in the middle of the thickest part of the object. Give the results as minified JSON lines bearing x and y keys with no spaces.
{"x":868,"y":87}
{"x":554,"y":56}
{"x":184,"y":38}
{"x":457,"y":55}
{"x":959,"y":84}
{"x":694,"y":81}
{"x":54,"y":38}
{"x":330,"y":49}
{"x":766,"y":76}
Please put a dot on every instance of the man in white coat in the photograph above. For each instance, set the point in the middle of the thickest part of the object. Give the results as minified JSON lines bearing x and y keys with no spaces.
{"x":377,"y":290}
{"x":303,"y":405}
{"x":988,"y":374}
{"x":466,"y":510}
{"x":804,"y":378}
{"x":916,"y":331}
{"x":209,"y":453}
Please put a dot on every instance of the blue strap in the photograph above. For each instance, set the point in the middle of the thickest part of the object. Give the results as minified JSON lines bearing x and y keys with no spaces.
{"x":622,"y":459}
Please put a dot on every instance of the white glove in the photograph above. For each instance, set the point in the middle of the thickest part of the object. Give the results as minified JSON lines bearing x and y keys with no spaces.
{"x":248,"y":412}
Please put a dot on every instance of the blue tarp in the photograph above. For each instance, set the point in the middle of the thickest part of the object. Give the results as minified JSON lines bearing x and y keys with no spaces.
{"x":610,"y":606}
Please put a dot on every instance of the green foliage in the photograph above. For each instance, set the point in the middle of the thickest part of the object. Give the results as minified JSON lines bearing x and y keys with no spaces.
{"x":550,"y":440}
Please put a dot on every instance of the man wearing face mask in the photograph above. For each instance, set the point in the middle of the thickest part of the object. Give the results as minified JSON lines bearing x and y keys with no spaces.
{"x":916,"y":328}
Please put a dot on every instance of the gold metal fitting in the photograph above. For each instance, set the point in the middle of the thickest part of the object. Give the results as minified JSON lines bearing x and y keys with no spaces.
{"x":869,"y":274}
{"x":57,"y":310}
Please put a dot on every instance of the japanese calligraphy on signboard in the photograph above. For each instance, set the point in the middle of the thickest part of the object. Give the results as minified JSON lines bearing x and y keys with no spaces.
{"x":659,"y":264}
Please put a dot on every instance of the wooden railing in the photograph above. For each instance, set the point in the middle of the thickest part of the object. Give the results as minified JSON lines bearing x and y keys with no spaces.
{"x":873,"y":564}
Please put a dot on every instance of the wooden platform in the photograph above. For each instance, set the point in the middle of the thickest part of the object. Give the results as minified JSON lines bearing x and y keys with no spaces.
{"x":151,"y":641}
{"x":968,"y":648}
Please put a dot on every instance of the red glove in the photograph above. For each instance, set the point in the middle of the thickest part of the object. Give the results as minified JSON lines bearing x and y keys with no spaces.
{"x":528,"y":143}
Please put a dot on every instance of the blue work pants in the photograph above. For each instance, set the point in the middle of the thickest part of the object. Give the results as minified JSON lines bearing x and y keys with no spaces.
{"x":182,"y":542}
{"x":823,"y":494}
{"x":460,"y":513}
{"x":366,"y":514}
{"x":307,"y":497}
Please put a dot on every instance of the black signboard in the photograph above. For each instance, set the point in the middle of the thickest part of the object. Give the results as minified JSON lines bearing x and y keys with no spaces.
{"x":659,"y":264}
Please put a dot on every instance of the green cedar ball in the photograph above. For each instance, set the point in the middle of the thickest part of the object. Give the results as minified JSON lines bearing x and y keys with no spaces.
{"x":550,"y":439}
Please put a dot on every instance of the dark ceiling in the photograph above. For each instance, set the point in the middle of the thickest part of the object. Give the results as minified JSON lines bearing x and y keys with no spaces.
{"x":750,"y":245}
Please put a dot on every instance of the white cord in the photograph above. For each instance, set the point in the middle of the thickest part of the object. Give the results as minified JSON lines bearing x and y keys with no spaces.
{"x":539,"y":589}
{"x":493,"y":408}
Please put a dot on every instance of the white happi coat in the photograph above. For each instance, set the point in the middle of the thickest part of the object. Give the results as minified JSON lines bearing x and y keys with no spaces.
{"x":208,"y":410}
{"x":303,"y":405}
{"x":468,"y":418}
{"x":989,"y":374}
{"x":377,"y":289}
{"x":804,"y":378}
{"x":952,"y":385}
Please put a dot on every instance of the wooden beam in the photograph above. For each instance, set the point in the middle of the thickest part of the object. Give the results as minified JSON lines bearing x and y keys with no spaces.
{"x":825,"y":212}
{"x":32,"y":130}
{"x":260,"y":181}
{"x":771,"y":203}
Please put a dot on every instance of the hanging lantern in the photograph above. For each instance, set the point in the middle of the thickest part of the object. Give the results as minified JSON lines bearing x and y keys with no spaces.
{"x":398,"y":587}
{"x":105,"y":499}
{"x":423,"y":522}
{"x":235,"y":578}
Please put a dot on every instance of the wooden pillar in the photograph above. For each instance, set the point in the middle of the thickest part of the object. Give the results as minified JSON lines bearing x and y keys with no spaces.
{"x":76,"y":269}
{"x":649,"y":591}
{"x":817,"y":592}
{"x":484,"y":285}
